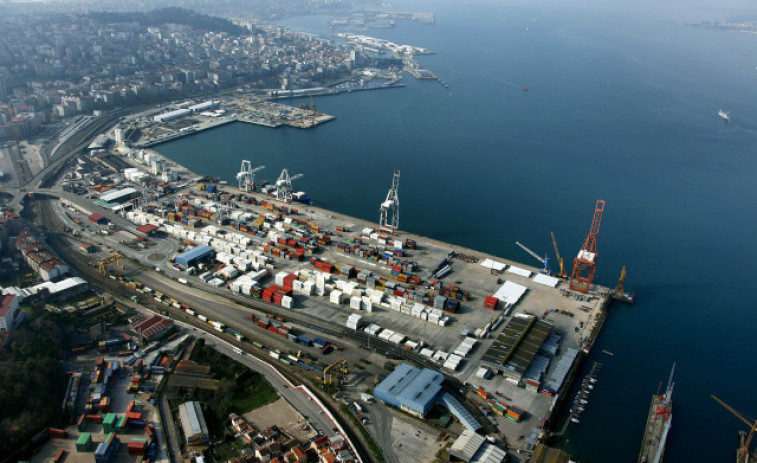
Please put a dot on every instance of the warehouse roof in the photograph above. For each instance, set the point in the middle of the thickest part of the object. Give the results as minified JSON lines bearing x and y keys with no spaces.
{"x":517,"y":345}
{"x":153,"y":326}
{"x":5,"y":304}
{"x":114,"y":195}
{"x":192,"y":421}
{"x":195,"y":252}
{"x":147,"y":228}
{"x":460,"y":412}
{"x":466,"y":446}
{"x":410,"y":387}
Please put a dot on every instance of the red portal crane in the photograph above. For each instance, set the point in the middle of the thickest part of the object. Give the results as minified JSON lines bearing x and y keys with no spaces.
{"x":585,"y":264}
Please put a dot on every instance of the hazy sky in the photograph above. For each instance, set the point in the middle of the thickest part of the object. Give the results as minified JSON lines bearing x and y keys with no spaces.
{"x":675,"y":10}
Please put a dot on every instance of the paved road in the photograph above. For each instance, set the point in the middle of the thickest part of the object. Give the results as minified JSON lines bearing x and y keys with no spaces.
{"x":380,"y":423}
{"x":298,"y":396}
{"x":171,"y":433}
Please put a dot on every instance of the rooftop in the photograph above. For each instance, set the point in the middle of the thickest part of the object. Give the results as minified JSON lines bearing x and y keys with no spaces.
{"x":5,"y":304}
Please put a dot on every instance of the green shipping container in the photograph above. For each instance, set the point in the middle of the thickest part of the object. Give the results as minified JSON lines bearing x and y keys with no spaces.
{"x":84,"y":442}
{"x":510,"y":417}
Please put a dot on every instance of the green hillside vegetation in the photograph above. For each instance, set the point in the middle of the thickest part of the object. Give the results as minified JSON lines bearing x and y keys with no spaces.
{"x":172,"y":15}
{"x":32,"y":381}
{"x":240,"y":389}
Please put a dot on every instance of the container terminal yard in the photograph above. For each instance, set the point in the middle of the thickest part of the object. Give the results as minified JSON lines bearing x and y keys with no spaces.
{"x":505,"y":338}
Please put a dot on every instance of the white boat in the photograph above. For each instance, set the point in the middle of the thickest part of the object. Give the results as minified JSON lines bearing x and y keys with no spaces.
{"x":574,"y":419}
{"x":724,"y":115}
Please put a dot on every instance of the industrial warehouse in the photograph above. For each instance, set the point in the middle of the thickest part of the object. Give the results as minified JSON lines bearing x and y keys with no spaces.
{"x":193,"y":423}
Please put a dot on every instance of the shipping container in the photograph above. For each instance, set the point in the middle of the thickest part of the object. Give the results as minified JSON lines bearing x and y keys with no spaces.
{"x":58,"y":433}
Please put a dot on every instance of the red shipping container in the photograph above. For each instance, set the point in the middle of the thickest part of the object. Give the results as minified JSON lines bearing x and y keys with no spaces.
{"x":94,"y":418}
{"x":58,"y":433}
{"x":134,"y":415}
{"x":273,"y":328}
{"x":262,"y":325}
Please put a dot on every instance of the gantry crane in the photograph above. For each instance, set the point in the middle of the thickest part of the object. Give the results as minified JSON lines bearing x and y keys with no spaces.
{"x":284,"y":186}
{"x":585,"y":263}
{"x":389,"y":218}
{"x":340,"y":365}
{"x":246,"y":176}
{"x":114,"y":257}
{"x":559,"y":257}
{"x":544,"y":260}
{"x":742,"y":454}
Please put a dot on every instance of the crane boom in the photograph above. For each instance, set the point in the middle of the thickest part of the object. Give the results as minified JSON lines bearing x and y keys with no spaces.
{"x":533,"y":254}
{"x":743,"y":453}
{"x":559,"y":257}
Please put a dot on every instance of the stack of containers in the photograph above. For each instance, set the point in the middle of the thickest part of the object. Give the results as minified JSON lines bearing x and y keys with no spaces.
{"x":499,"y":408}
{"x":373,"y":329}
{"x":515,"y":414}
{"x":452,"y":362}
{"x":465,"y":347}
{"x":439,"y":302}
{"x":137,"y":446}
{"x":452,"y":306}
{"x":490,"y":303}
{"x":366,"y":304}
{"x":279,"y":279}
{"x":106,"y":450}
{"x":336,"y":297}
{"x":356,"y":302}
{"x":353,"y":321}
{"x":109,"y":422}
{"x":84,"y":442}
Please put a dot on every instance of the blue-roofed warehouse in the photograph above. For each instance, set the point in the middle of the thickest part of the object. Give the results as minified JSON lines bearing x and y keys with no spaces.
{"x":410,"y":389}
{"x":194,"y":255}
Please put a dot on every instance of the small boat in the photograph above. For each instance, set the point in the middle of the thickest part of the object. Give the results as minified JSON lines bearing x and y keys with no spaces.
{"x":525,"y":89}
{"x":724,"y":115}
{"x":574,"y":419}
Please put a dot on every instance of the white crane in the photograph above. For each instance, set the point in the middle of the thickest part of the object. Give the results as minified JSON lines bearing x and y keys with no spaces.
{"x":390,"y":208}
{"x":246,"y":176}
{"x":544,"y":260}
{"x":284,"y":186}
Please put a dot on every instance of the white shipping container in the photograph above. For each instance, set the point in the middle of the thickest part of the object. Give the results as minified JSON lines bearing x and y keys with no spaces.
{"x":336,"y":297}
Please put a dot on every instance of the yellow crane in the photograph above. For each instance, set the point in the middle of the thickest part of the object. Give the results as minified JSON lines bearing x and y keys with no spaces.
{"x":340,"y":365}
{"x":619,"y":293}
{"x":742,"y":455}
{"x":562,"y":274}
{"x":114,"y":257}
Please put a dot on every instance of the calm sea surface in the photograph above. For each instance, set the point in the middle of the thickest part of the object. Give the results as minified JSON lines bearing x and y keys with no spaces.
{"x":619,"y":109}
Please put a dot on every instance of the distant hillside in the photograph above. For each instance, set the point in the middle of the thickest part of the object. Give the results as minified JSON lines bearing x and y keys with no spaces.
{"x":172,"y":15}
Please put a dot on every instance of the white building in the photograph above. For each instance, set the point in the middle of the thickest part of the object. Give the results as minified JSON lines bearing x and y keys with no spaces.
{"x":9,"y":313}
{"x":193,"y":423}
